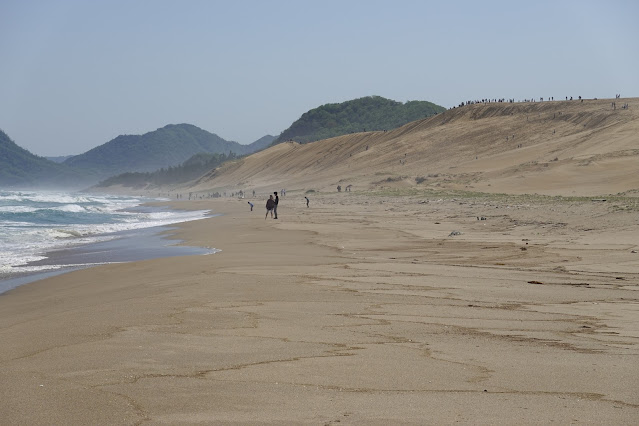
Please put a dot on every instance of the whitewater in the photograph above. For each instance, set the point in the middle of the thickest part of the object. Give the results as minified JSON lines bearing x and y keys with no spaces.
{"x":35,"y":223}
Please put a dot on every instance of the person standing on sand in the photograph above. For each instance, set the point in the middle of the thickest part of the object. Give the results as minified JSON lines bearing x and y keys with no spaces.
{"x":277,"y":201}
{"x":270,"y":205}
{"x":307,"y":201}
{"x":251,"y":204}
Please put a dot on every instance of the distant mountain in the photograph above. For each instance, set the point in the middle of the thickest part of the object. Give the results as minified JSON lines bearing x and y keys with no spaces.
{"x":260,"y":144}
{"x":20,"y":168}
{"x":191,"y":169}
{"x":358,"y":115}
{"x":165,"y":147}
{"x":60,"y":159}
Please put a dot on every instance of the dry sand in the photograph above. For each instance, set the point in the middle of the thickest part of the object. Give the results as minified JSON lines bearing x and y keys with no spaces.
{"x":552,"y":148}
{"x":361,"y":309}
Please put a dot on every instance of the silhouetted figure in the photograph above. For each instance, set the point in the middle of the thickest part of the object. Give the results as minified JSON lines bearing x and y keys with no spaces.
{"x":277,"y":201}
{"x":270,"y":205}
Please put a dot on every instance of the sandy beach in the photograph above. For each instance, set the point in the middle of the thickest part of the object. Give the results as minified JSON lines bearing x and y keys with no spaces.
{"x":418,"y":308}
{"x":456,"y":240}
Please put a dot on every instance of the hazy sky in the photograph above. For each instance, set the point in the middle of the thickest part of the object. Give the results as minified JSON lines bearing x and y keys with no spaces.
{"x":76,"y":74}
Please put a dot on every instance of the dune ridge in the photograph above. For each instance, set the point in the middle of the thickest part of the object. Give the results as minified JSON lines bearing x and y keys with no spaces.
{"x":384,"y":305}
{"x":552,"y":148}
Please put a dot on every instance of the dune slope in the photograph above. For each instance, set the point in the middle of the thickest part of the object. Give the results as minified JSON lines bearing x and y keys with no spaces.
{"x":553,"y":148}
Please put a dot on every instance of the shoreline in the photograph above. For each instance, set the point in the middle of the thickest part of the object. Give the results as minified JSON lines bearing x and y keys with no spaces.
{"x":128,"y":246}
{"x":360,"y":309}
{"x":120,"y":247}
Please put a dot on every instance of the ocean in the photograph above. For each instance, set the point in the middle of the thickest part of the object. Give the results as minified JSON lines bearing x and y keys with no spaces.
{"x":45,"y":233}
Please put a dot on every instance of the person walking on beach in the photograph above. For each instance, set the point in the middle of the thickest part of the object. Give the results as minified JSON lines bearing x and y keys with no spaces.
{"x":277,"y":201}
{"x":307,"y":201}
{"x":270,"y":205}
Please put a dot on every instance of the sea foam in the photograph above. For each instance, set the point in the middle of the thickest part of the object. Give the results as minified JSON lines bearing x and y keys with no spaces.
{"x":33,"y":223}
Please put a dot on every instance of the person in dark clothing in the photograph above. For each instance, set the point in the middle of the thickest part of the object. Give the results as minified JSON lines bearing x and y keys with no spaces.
{"x":270,"y":205}
{"x":307,"y":201}
{"x":277,"y":201}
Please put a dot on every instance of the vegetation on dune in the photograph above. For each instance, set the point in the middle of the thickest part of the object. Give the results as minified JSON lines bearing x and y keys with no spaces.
{"x":615,"y":203}
{"x":191,"y":169}
{"x":370,"y":113}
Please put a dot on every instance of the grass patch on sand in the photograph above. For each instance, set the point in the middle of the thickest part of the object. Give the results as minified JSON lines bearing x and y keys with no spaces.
{"x":615,"y":202}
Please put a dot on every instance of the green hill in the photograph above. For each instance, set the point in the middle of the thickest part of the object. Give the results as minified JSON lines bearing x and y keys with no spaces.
{"x":191,"y":169}
{"x":20,"y":168}
{"x":358,"y":115}
{"x":165,"y":147}
{"x":258,"y":145}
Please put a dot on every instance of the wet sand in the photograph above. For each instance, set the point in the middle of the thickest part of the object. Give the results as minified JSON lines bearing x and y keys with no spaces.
{"x":125,"y":246}
{"x":359,"y":309}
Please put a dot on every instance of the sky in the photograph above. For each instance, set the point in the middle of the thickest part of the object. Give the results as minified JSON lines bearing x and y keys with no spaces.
{"x":75,"y":74}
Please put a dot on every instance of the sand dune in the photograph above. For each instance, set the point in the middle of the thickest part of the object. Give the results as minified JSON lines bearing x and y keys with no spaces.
{"x":360,"y":309}
{"x":554,"y":148}
{"x":371,"y":307}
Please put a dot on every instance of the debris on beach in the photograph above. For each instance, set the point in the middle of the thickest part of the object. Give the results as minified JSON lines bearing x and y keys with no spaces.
{"x":452,"y":234}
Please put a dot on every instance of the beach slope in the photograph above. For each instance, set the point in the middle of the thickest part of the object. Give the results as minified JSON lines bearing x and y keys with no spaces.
{"x":359,"y":309}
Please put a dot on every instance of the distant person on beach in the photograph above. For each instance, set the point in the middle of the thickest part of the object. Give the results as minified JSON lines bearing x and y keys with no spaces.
{"x":251,"y":204}
{"x":277,"y":201}
{"x":270,"y":205}
{"x":307,"y":201}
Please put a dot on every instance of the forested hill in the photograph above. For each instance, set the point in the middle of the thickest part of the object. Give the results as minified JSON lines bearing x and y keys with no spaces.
{"x":165,"y":147}
{"x":358,"y":115}
{"x":20,"y":168}
{"x":258,"y":145}
{"x":191,"y":169}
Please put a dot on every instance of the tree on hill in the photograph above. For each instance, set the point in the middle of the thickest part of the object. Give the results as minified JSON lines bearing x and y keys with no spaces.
{"x":19,"y":167}
{"x":364,"y":114}
{"x":258,"y":145}
{"x":163,"y":148}
{"x":191,"y":169}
